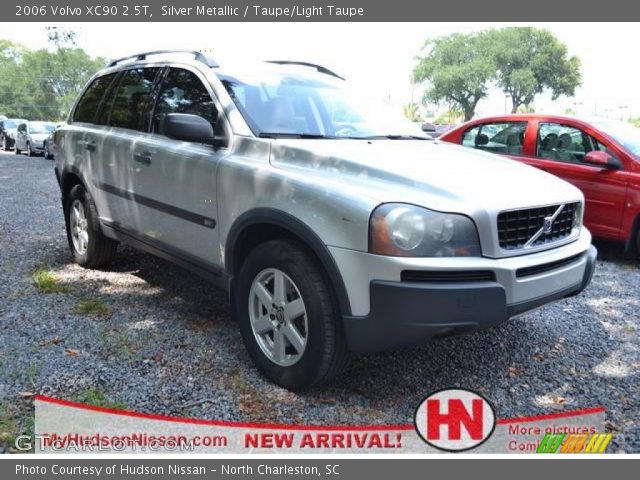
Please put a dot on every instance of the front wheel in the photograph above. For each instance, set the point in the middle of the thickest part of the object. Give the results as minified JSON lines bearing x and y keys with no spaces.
{"x":288,"y":316}
{"x":30,"y":152}
{"x":89,"y":246}
{"x":5,"y":144}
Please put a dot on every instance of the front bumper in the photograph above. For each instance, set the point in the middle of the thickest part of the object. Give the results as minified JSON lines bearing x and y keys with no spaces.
{"x":405,"y":313}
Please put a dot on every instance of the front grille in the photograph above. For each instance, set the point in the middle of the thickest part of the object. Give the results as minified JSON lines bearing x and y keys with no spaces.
{"x":517,"y":227}
{"x":448,"y":276}
{"x":547,"y":267}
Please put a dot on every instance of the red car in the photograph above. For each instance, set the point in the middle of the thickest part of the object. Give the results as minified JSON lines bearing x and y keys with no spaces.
{"x":601,"y":157}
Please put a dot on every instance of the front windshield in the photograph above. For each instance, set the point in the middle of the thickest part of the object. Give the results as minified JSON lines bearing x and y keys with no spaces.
{"x":627,"y":135}
{"x":313,"y":105}
{"x":41,"y":127}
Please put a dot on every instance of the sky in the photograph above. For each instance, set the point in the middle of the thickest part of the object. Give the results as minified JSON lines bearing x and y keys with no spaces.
{"x":378,"y":57}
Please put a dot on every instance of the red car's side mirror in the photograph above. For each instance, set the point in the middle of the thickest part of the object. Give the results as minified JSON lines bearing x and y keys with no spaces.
{"x":601,"y":159}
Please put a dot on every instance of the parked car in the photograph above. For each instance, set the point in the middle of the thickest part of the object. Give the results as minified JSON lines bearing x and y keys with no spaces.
{"x":330,"y":237}
{"x":601,"y":157}
{"x":3,"y":117}
{"x":30,"y":137}
{"x":442,"y":128}
{"x":8,"y":128}
{"x":50,"y":144}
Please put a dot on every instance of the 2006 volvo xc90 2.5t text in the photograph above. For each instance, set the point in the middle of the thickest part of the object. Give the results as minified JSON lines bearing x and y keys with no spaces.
{"x":334,"y":225}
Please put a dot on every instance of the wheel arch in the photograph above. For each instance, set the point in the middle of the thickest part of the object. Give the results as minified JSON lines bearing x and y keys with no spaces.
{"x":263,"y":224}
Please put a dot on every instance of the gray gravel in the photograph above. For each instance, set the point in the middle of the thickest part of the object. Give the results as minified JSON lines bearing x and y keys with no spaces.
{"x":168,"y":340}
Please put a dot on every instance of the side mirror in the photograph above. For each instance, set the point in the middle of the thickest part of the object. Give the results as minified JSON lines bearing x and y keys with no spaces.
{"x":428,"y":127}
{"x":188,"y":128}
{"x":601,"y":159}
{"x":481,"y":140}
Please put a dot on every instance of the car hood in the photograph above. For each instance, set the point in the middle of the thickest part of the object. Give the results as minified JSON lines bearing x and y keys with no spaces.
{"x":439,"y":176}
{"x":39,"y":137}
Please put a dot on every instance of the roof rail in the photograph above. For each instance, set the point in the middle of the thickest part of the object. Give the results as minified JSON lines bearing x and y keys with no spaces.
{"x":319,"y":68}
{"x":199,"y":56}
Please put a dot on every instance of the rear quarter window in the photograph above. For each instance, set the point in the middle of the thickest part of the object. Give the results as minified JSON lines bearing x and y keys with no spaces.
{"x":88,"y":105}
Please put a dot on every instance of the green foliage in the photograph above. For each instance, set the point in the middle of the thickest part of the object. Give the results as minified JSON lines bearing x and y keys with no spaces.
{"x":42,"y":84}
{"x":526,"y":109}
{"x":92,"y":396}
{"x":458,"y":69}
{"x":46,"y":281}
{"x":530,"y":60}
{"x":450,"y":116}
{"x":635,"y":121}
{"x":411,"y":111}
{"x":92,"y":307}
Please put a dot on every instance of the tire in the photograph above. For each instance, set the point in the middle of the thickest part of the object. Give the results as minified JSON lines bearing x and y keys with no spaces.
{"x":30,"y":153}
{"x":319,"y":327}
{"x":47,"y":152}
{"x":94,"y":249}
{"x":15,"y":149}
{"x":5,"y":144}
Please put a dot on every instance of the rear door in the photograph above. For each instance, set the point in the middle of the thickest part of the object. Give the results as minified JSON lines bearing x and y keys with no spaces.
{"x":72,"y":139}
{"x":175,"y":181}
{"x":560,"y":149}
{"x":111,"y":142}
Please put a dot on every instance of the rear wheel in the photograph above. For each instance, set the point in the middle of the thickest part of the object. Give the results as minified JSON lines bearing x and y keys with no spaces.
{"x":288,"y":316}
{"x":30,"y":152}
{"x":90,"y":248}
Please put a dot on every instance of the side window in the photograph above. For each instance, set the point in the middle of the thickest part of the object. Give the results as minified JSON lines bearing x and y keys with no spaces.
{"x":563,"y":143}
{"x":131,"y":98}
{"x":183,"y":92}
{"x":90,"y":101}
{"x":500,"y":137}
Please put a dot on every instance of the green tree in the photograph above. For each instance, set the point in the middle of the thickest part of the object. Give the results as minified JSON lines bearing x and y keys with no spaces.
{"x":450,"y":116}
{"x":457,"y":70}
{"x":42,"y":84}
{"x":411,"y":112}
{"x":635,"y":121}
{"x":531,"y":60}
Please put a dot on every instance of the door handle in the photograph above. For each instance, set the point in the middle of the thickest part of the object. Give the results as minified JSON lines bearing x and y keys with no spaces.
{"x":144,"y":158}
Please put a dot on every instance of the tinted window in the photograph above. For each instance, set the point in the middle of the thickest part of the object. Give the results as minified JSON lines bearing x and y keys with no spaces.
{"x":183,"y":92}
{"x":500,"y":137}
{"x":131,"y":98}
{"x":90,"y":101}
{"x":565,"y":144}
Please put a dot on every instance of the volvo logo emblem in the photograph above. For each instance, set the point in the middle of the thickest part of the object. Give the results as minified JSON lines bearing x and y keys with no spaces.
{"x":547,"y":225}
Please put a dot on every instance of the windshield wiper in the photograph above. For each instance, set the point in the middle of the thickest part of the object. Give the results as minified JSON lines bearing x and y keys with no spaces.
{"x":395,"y":137}
{"x":293,"y":135}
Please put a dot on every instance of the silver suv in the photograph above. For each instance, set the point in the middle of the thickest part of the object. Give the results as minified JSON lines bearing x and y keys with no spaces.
{"x":334,"y":225}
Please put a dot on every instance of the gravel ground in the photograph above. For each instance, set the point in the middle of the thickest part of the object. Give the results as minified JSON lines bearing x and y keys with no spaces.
{"x":167,"y":340}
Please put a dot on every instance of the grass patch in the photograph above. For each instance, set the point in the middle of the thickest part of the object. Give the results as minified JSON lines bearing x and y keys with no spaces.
{"x":94,"y":308}
{"x":8,"y":428}
{"x":46,"y":281}
{"x":94,"y":397}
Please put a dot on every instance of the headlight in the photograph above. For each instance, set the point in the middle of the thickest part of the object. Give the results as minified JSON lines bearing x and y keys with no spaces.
{"x":577,"y":218}
{"x":403,"y":230}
